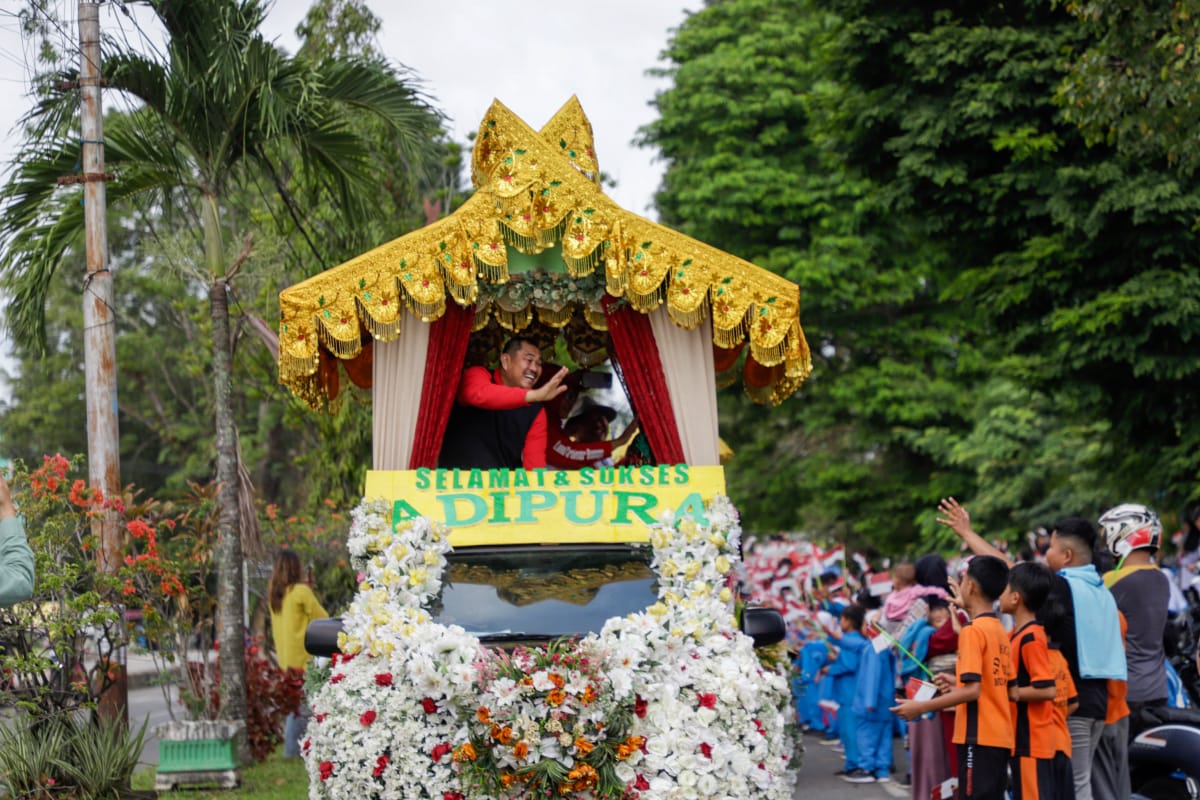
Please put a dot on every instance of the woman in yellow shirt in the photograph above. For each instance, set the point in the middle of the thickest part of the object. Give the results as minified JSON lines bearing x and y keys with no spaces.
{"x":293,"y":606}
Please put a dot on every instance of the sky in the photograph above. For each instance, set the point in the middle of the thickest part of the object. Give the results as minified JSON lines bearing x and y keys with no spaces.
{"x":532,"y":56}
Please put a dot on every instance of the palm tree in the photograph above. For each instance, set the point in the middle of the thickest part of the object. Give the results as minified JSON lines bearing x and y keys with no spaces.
{"x":221,"y":107}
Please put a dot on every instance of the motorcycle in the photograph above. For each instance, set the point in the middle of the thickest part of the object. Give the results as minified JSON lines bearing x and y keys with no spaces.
{"x":1164,"y":758}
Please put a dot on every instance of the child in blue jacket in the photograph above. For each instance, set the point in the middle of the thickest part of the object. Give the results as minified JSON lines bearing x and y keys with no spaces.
{"x":874,"y":695}
{"x":843,"y":672}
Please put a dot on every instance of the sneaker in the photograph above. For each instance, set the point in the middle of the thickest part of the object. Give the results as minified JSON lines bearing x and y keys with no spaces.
{"x":837,"y":748}
{"x":905,"y":781}
{"x":883,"y":779}
{"x":830,"y":740}
{"x":858,"y":776}
{"x":840,"y":773}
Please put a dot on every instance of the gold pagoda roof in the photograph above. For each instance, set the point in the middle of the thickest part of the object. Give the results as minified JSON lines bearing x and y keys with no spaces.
{"x":537,"y":190}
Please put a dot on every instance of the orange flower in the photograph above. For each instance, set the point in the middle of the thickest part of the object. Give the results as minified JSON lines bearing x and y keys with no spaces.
{"x":557,"y":680}
{"x":624,"y":751}
{"x":590,"y":694}
{"x":520,"y":750}
{"x":507,"y":779}
{"x":583,"y":746}
{"x":483,"y":714}
{"x":502,"y":735}
{"x":465,"y":752}
{"x":556,"y":697}
{"x":583,"y":777}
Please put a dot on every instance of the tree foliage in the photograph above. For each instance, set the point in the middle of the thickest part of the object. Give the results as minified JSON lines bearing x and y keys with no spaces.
{"x":1137,"y":82}
{"x":999,"y":308}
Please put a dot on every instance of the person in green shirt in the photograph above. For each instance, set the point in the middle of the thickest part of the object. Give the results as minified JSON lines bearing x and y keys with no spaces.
{"x":293,"y":606}
{"x":16,"y":559}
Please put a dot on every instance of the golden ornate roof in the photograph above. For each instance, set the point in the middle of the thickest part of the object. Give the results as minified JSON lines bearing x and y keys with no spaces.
{"x":537,"y":190}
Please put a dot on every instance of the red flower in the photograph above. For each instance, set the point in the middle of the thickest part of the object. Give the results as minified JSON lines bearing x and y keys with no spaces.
{"x":326,"y":768}
{"x":429,"y":705}
{"x":337,"y":678}
{"x":707,"y":699}
{"x":452,"y":796}
{"x":383,"y":679}
{"x":319,"y":718}
{"x":380,"y":765}
{"x":761,"y":730}
{"x":706,"y":749}
{"x":639,"y":707}
{"x":641,"y":784}
{"x":440,"y":750}
{"x":367,"y":718}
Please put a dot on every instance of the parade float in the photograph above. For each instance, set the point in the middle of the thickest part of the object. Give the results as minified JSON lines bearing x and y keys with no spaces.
{"x":557,"y":632}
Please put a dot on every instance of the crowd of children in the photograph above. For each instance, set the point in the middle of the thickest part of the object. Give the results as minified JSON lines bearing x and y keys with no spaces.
{"x":977,"y":665}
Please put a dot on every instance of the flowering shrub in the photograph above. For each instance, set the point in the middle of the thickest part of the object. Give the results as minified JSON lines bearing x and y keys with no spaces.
{"x":657,"y":705}
{"x":54,"y":648}
{"x":548,"y":723}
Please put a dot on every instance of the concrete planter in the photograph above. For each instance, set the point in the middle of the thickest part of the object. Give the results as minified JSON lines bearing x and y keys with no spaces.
{"x":199,"y":752}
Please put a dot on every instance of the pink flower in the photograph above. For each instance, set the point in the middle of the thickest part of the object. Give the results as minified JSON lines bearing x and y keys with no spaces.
{"x":707,"y":699}
{"x":367,"y":718}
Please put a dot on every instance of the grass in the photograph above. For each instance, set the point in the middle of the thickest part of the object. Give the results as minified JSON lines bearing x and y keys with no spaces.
{"x":277,"y":778}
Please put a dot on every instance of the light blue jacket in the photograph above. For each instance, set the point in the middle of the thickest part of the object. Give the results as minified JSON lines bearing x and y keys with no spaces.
{"x":16,"y":562}
{"x":1097,"y":626}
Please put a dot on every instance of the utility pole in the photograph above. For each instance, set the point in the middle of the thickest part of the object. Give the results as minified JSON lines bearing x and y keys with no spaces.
{"x":99,"y":341}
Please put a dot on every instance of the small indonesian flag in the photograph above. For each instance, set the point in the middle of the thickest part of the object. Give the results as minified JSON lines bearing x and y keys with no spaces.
{"x":879,"y":584}
{"x":946,"y":790}
{"x":919,"y":690}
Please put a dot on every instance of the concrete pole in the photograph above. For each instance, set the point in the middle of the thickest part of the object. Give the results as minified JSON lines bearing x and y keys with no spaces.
{"x":99,"y":342}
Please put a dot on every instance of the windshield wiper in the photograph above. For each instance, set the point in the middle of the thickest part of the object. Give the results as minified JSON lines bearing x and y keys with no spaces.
{"x":509,"y":636}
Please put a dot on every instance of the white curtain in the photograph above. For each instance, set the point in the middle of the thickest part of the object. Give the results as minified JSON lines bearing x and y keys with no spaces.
{"x":687,"y":361}
{"x":399,"y":372}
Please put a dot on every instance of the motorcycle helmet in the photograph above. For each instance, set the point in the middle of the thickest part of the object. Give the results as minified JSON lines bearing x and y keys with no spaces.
{"x":1129,"y":527}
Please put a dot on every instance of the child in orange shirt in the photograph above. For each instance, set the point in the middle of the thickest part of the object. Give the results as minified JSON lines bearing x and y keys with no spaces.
{"x":983,"y":726}
{"x":1033,"y":692}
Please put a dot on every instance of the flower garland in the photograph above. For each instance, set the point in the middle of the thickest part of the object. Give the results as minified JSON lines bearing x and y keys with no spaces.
{"x":548,"y":724}
{"x":385,"y":723}
{"x":654,"y":706}
{"x":709,"y":732}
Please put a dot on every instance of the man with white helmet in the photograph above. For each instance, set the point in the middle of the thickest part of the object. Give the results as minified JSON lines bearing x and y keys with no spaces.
{"x":1133,"y":533}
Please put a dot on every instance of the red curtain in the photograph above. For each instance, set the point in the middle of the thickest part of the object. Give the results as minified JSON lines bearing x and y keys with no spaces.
{"x":448,"y":338}
{"x":637,"y":354}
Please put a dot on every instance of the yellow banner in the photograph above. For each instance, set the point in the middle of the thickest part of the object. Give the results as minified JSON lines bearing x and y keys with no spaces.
{"x":502,"y":506}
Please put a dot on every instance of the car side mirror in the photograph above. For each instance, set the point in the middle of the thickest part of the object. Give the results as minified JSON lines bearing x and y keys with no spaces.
{"x":764,"y":625}
{"x":321,"y":636}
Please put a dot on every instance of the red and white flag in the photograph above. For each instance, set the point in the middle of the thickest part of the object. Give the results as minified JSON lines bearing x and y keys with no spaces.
{"x":833,"y":557}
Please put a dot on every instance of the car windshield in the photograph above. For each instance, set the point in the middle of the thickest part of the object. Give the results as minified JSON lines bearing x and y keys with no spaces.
{"x":543,"y":591}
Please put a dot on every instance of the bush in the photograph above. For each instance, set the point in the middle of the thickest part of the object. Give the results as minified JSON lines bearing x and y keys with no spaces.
{"x":272,"y":693}
{"x":67,"y":756}
{"x":54,"y":648}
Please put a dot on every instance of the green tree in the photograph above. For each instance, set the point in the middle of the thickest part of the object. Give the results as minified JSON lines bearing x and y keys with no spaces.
{"x":223,"y":107}
{"x":997,"y":310}
{"x":1137,"y":83}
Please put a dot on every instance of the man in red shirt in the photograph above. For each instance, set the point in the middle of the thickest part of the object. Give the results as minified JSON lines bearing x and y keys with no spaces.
{"x":497,"y":420}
